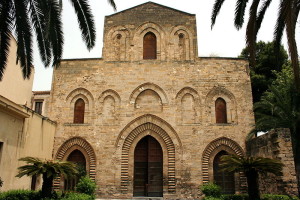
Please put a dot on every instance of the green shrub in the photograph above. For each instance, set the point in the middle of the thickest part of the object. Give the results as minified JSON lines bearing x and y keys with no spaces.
{"x":212,"y":198}
{"x":77,"y":196}
{"x":277,"y":197}
{"x":86,"y":186}
{"x":19,"y":195}
{"x":211,"y":190}
{"x":235,"y":197}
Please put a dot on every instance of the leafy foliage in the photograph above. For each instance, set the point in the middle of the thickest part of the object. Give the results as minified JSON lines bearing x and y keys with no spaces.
{"x":267,"y":62}
{"x":279,"y":106}
{"x":27,"y":18}
{"x":86,"y":186}
{"x":288,"y":11}
{"x":19,"y":194}
{"x":211,"y":190}
{"x":77,"y":196}
{"x":1,"y":182}
{"x":251,"y":166}
{"x":49,"y":169}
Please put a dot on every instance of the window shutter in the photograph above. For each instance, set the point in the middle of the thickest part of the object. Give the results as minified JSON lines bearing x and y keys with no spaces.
{"x":221,"y":113}
{"x":149,"y":46}
{"x":79,"y":111}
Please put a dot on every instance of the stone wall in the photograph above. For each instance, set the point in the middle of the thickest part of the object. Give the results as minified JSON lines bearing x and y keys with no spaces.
{"x":276,"y":144}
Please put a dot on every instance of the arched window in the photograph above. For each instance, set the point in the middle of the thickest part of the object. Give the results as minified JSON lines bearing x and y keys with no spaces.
{"x":181,"y":45}
{"x":224,"y":179}
{"x":79,"y":111}
{"x":78,"y":158}
{"x":221,"y":113}
{"x":149,"y":46}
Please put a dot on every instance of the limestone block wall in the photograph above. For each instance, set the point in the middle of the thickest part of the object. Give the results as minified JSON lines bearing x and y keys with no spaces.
{"x":276,"y":144}
{"x":175,"y":32}
{"x":171,"y":101}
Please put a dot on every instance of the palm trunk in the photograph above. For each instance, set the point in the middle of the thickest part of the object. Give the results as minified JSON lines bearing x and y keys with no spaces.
{"x":290,"y":22}
{"x":47,"y":186}
{"x":253,"y":187}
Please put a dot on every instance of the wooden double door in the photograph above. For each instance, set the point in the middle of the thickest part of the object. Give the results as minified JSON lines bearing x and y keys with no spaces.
{"x":148,"y":168}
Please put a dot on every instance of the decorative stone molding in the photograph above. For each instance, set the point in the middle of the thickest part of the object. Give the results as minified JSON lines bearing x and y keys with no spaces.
{"x":88,"y":99}
{"x":196,"y":101}
{"x":188,"y":43}
{"x":163,"y":132}
{"x":150,"y":86}
{"x":138,"y":37}
{"x":82,"y":145}
{"x":231,"y":104}
{"x":212,"y":149}
{"x":117,"y":45}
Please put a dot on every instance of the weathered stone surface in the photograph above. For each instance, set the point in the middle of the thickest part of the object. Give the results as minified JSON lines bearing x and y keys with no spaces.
{"x":171,"y":99}
{"x":276,"y":144}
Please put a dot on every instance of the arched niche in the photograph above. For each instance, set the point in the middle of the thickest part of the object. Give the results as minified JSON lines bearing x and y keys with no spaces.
{"x":80,"y":144}
{"x":138,"y":40}
{"x":87,"y":97}
{"x":152,"y":89}
{"x":116,"y":44}
{"x":231,"y":105}
{"x":188,"y":104}
{"x":181,"y":44}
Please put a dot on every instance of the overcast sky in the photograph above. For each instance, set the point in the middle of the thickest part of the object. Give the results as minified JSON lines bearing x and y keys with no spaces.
{"x":223,"y":40}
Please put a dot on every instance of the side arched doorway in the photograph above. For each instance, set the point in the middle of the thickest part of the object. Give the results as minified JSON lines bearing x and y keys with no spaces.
{"x":78,"y":158}
{"x":224,"y":179}
{"x":148,"y":168}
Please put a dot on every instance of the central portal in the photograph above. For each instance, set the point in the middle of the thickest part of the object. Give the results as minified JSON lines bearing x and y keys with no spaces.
{"x":148,"y":168}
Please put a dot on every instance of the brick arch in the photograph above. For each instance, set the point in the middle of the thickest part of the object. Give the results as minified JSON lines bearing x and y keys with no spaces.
{"x":151,"y":86}
{"x":219,"y":144}
{"x":80,"y":91}
{"x":85,"y":147}
{"x":162,"y":130}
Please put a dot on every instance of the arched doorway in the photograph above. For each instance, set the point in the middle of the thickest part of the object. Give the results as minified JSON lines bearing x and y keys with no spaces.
{"x":148,"y":168}
{"x":224,"y":179}
{"x":78,"y":158}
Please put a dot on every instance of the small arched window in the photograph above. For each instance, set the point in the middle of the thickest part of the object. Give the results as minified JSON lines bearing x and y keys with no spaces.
{"x":149,"y":46}
{"x":221,"y":111}
{"x":79,"y":108}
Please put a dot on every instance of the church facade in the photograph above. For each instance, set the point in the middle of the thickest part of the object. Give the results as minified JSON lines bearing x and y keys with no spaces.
{"x":151,"y":118}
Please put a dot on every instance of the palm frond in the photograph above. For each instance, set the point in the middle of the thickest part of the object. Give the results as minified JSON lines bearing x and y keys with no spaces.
{"x":234,"y":163}
{"x":86,"y":22}
{"x":24,"y":37}
{"x":216,"y":9}
{"x":38,"y":22}
{"x":261,"y":14}
{"x":54,"y":30}
{"x":240,"y":13}
{"x":112,"y":3}
{"x":6,"y":27}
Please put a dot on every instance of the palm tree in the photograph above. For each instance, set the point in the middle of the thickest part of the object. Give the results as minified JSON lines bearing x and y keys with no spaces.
{"x":42,"y":17}
{"x":287,"y":19}
{"x":251,"y":167}
{"x":49,"y":170}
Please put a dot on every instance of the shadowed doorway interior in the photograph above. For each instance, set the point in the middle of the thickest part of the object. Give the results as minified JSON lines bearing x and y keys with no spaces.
{"x":148,"y":168}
